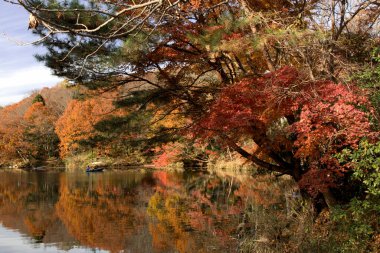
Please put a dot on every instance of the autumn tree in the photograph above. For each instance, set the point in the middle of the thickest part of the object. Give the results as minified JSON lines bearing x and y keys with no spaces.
{"x":14,"y":146}
{"x":29,"y":136}
{"x":326,"y":38}
{"x":298,"y":125}
{"x":78,"y":120}
{"x":40,"y":123}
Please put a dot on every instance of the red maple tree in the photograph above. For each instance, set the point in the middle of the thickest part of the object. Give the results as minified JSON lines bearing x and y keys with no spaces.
{"x":297,"y":124}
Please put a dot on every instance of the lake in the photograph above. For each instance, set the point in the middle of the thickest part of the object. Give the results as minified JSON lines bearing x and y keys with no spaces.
{"x":138,"y":210}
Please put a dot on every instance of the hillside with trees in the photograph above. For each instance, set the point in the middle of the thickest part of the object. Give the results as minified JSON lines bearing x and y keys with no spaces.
{"x":27,"y":129}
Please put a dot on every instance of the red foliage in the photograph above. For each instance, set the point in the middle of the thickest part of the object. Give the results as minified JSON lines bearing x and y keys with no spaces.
{"x":167,"y":154}
{"x":250,"y":101}
{"x":334,"y":117}
{"x":283,"y":113}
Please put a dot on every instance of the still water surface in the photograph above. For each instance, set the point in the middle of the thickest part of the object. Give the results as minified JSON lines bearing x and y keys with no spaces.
{"x":119,"y":211}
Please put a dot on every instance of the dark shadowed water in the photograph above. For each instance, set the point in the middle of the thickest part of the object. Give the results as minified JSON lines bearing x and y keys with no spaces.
{"x":121,"y":211}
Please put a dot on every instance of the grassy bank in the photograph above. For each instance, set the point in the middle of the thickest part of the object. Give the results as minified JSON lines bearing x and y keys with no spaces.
{"x":82,"y":160}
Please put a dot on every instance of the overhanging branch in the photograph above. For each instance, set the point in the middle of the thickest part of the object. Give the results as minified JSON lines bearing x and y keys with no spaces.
{"x":255,"y":159}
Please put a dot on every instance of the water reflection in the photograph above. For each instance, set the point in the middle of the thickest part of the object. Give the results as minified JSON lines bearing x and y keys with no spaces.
{"x":190,"y":213}
{"x":104,"y":211}
{"x":124,"y":211}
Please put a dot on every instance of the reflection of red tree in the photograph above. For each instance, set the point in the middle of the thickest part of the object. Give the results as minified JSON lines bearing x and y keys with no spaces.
{"x":187,"y":215}
{"x":210,"y":205}
{"x":166,"y":181}
{"x":215,"y":208}
{"x":169,"y":229}
{"x":261,"y":191}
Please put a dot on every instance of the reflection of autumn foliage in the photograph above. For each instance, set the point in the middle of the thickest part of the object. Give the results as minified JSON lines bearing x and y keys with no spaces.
{"x":184,"y":208}
{"x":185,"y":215}
{"x":39,"y":221}
{"x":14,"y":189}
{"x":260,"y":191}
{"x":116,"y":211}
{"x":214,"y":206}
{"x":170,"y":212}
{"x":106,"y":215}
{"x":166,"y":180}
{"x":21,"y":206}
{"x":101,"y":217}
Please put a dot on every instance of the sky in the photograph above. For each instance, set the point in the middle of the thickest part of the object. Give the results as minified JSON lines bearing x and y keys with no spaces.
{"x":20,"y":73}
{"x":14,"y":241}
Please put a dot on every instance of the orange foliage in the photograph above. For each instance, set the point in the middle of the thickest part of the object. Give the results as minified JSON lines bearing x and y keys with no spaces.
{"x":12,"y":128}
{"x":27,"y":128}
{"x":78,"y":120}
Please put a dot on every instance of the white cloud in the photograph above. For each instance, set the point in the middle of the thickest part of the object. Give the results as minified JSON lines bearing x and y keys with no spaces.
{"x":7,"y":100}
{"x":17,"y":84}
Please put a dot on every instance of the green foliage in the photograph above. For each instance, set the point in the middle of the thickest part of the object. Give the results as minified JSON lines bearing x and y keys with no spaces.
{"x":215,"y":33}
{"x":354,"y":225}
{"x":38,"y":99}
{"x":133,"y":49}
{"x":358,"y":221}
{"x":366,"y":163}
{"x":137,"y":98}
{"x":370,"y":79}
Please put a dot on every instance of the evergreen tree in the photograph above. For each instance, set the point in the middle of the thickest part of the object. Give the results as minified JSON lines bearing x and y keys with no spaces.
{"x":38,"y":99}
